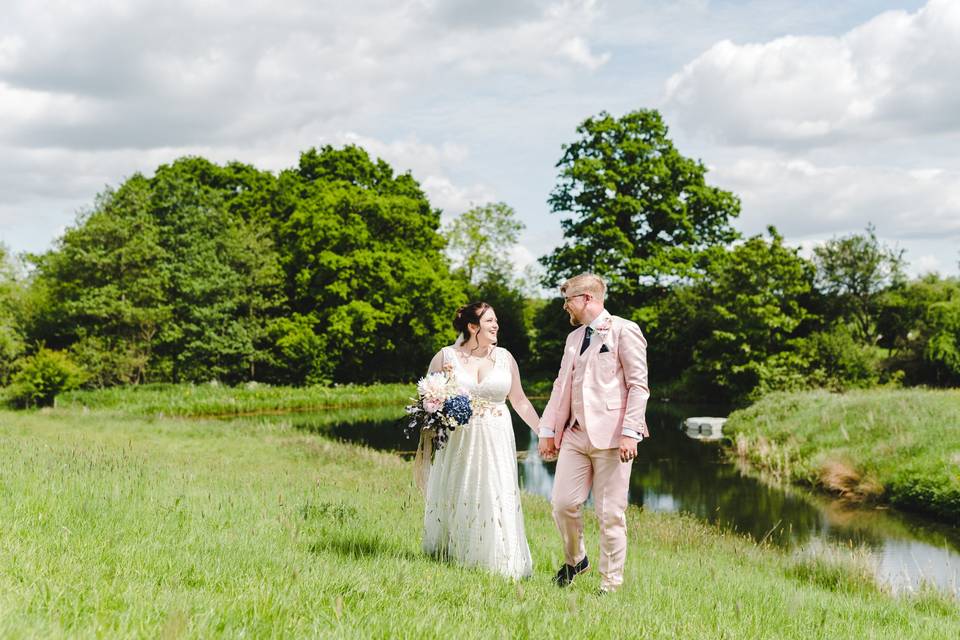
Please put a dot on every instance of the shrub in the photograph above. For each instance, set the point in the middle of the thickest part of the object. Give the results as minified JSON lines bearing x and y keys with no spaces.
{"x":40,"y":377}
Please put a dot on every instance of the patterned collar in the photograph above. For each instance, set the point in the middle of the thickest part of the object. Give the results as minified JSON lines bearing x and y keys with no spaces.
{"x":601,"y":322}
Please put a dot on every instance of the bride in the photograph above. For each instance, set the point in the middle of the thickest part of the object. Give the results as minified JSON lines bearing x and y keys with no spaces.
{"x":473,"y":514}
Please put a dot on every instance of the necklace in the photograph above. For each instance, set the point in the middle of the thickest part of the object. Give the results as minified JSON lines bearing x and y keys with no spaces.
{"x":465,"y":356}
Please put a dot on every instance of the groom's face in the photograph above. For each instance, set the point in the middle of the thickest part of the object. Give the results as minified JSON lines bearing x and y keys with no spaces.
{"x":575,"y":305}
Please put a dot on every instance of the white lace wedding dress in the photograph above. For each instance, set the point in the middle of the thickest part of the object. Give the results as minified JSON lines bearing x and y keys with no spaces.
{"x":473,"y":514}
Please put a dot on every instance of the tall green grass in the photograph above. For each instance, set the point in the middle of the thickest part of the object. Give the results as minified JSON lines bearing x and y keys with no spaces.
{"x":897,"y":446}
{"x":160,"y":527}
{"x":210,"y":400}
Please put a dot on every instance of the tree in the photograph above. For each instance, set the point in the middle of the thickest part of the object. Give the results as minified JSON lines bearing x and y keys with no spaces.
{"x":102,"y":288}
{"x":756,"y":296}
{"x":854,"y":270}
{"x":161,"y":281}
{"x":332,"y":271}
{"x":480,"y":240}
{"x":636,"y":211}
{"x":918,"y":321}
{"x":942,"y":352}
{"x":11,"y":330}
{"x":364,"y":263}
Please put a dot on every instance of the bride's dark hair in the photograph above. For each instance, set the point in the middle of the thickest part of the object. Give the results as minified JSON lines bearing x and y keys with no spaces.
{"x":469,"y":314}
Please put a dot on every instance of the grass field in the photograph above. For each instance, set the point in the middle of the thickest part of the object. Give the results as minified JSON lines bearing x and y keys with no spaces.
{"x":217,"y":400}
{"x":131,"y":526}
{"x":899,"y":446}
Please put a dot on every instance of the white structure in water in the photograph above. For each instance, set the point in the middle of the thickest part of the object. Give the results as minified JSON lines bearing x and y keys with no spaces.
{"x":704,"y":428}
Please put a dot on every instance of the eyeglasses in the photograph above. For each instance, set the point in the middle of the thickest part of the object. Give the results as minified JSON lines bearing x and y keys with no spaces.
{"x":567,"y":299}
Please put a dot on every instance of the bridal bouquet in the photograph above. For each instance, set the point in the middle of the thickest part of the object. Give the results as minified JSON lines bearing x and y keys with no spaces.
{"x":441,"y":407}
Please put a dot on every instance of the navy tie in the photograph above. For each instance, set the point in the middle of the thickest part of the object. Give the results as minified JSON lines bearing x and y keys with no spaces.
{"x":586,"y":339}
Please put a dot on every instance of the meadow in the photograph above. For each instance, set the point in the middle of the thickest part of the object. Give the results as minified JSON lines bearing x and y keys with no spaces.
{"x":217,"y":400}
{"x":128,"y":524}
{"x":895,"y":446}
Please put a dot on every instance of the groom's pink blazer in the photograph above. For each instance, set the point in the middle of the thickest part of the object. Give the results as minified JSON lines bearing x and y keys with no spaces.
{"x":605,"y":391}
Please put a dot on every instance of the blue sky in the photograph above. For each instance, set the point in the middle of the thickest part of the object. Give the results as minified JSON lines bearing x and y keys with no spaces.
{"x":822,"y":116}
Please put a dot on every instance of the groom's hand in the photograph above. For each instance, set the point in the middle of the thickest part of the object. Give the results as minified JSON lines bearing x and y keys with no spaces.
{"x":628,"y":449}
{"x":547,"y":448}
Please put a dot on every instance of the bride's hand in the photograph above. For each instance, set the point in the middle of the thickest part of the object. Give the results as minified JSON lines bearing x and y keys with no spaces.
{"x":547,"y":449}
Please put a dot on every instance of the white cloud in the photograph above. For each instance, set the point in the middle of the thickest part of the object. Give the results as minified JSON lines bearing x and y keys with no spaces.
{"x":452,"y":199}
{"x":927,"y":264}
{"x":577,"y":50}
{"x":802,"y":198}
{"x":884,"y":78}
{"x":476,"y":99}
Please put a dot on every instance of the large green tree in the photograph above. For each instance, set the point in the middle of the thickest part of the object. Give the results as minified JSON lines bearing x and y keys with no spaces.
{"x":160,"y":281}
{"x":365,"y":270}
{"x":102,"y":290}
{"x":756,"y":297}
{"x":635,"y":210}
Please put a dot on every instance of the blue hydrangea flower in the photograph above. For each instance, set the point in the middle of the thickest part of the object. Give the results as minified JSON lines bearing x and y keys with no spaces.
{"x":458,"y":408}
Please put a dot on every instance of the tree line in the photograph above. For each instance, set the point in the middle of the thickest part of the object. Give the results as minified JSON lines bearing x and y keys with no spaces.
{"x":339,"y":270}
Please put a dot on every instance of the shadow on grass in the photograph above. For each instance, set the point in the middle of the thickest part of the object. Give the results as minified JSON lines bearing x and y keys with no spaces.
{"x":361,"y":546}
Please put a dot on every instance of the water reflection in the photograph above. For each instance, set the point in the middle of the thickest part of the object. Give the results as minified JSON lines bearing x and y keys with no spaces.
{"x":675,"y":473}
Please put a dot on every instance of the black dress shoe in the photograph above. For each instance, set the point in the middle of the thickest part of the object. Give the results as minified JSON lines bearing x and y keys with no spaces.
{"x":568,"y":572}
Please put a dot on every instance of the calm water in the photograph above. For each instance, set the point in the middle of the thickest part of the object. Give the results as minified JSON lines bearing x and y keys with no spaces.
{"x":675,"y":473}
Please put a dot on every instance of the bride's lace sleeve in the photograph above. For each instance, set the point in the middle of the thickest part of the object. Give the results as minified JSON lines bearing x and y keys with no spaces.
{"x":437,"y":363}
{"x":518,"y":398}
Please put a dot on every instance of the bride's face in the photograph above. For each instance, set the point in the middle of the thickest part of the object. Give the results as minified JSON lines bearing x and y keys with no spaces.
{"x":486,"y":331}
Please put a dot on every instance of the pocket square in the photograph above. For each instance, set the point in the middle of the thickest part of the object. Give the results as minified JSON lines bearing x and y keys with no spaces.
{"x":603,"y":349}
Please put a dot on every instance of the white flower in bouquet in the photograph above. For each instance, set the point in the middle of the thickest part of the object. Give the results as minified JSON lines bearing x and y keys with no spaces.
{"x":434,"y":389}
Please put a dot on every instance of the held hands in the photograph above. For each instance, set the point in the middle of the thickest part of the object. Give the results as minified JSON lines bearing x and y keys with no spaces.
{"x":548,"y":449}
{"x":628,"y":449}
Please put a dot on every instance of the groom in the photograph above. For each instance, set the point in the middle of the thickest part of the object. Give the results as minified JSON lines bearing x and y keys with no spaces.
{"x":595,"y":419}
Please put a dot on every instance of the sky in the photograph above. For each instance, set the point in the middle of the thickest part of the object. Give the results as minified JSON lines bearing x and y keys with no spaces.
{"x":823,"y":116}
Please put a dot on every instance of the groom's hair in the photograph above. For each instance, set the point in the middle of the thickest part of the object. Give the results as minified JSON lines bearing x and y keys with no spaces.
{"x":585,"y":283}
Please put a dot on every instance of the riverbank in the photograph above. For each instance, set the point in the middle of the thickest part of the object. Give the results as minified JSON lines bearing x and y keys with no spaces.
{"x":146,"y":526}
{"x":894,"y":446}
{"x":207,"y":400}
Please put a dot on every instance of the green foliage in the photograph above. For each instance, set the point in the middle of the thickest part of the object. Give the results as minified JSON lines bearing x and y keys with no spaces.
{"x":362,"y":255}
{"x":832,"y":359}
{"x":636,"y":211}
{"x":480,"y":241}
{"x":161,"y":282}
{"x":754,"y":297}
{"x":299,"y":352}
{"x":553,"y":327}
{"x":331,"y":271}
{"x":943,"y":347}
{"x":11,"y":329}
{"x":40,"y":377}
{"x":919,"y":325}
{"x":853,"y":271}
{"x":674,"y":325}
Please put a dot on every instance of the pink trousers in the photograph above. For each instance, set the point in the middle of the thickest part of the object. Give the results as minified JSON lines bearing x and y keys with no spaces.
{"x":580,"y":467}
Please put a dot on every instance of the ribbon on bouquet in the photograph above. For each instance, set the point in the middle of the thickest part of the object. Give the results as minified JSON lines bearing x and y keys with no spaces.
{"x":421,"y":462}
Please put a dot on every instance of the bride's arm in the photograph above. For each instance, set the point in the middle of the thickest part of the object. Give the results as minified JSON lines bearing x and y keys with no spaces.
{"x":519,"y":399}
